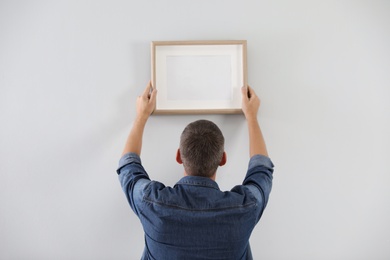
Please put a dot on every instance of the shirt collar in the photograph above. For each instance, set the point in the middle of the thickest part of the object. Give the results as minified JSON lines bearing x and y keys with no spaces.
{"x":198,"y":181}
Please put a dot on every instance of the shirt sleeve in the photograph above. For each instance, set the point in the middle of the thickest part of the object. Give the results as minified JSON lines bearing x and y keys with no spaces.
{"x":133,"y":179}
{"x":259,"y":179}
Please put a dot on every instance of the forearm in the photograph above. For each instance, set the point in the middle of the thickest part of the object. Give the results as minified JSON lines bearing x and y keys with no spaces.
{"x":134,"y":140}
{"x":256,"y":139}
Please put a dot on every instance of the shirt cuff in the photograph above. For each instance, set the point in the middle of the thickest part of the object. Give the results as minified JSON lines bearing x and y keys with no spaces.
{"x":127,"y":159}
{"x":260,"y":160}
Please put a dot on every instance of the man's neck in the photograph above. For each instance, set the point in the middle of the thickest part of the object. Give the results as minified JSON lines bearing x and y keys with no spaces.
{"x":213,"y":177}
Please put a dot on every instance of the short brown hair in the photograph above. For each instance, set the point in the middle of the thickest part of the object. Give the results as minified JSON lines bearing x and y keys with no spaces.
{"x":201,"y":148}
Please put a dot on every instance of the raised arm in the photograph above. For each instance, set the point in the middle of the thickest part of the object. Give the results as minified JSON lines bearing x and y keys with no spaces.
{"x":250,"y":107}
{"x":145,"y":106}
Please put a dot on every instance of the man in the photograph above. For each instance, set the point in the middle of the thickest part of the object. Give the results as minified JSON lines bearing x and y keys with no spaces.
{"x":194,"y":219}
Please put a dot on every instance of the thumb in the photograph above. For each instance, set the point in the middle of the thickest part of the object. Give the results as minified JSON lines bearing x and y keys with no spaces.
{"x":147,"y":89}
{"x":244,"y":92}
{"x":153,"y":94}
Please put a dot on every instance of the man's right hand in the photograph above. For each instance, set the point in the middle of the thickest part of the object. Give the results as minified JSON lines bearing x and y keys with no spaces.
{"x":250,"y":107}
{"x":250,"y":102}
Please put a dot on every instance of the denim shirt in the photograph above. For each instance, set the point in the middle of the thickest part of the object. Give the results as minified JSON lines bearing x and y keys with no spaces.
{"x":195,"y":219}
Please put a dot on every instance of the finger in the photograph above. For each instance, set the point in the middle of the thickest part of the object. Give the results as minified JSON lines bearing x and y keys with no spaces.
{"x":148,"y":89}
{"x":251,"y":93}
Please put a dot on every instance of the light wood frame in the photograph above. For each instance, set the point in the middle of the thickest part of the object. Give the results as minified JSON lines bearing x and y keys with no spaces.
{"x":205,"y":52}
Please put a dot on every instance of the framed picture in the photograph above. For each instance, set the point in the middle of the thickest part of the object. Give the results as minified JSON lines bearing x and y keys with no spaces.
{"x":199,"y":77}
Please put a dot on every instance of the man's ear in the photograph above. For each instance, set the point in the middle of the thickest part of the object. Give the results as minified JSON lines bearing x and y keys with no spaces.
{"x":178,"y":157}
{"x":223,"y":159}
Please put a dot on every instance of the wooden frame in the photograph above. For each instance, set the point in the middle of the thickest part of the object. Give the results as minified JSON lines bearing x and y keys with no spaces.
{"x":198,"y":77}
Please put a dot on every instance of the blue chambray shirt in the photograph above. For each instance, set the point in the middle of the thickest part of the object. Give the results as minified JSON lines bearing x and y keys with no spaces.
{"x":195,"y":219}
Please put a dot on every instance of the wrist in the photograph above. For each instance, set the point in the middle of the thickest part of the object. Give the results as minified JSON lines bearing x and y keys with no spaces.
{"x":141,"y":119}
{"x":251,"y":118}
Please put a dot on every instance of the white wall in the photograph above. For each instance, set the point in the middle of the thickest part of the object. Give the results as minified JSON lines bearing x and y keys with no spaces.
{"x":71,"y":70}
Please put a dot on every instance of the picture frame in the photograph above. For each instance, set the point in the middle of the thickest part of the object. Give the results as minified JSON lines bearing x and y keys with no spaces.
{"x":199,"y":77}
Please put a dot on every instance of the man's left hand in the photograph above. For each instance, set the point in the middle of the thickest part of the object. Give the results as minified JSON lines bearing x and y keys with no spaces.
{"x":146,"y":103}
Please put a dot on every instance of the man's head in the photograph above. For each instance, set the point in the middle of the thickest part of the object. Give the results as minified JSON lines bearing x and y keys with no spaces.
{"x":201,"y":148}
